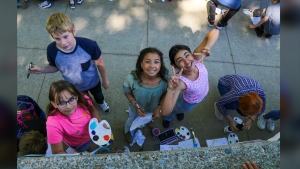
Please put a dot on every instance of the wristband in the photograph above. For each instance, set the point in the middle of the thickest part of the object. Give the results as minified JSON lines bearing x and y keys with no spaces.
{"x":133,"y":102}
{"x":170,"y":91}
{"x":131,"y":99}
{"x":251,"y":119}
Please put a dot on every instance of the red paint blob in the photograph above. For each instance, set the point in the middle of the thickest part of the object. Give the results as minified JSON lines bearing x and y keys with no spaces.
{"x":106,"y":137}
{"x":183,"y":137}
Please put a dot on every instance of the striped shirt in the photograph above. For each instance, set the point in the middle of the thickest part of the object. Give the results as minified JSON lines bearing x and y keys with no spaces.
{"x":238,"y":86}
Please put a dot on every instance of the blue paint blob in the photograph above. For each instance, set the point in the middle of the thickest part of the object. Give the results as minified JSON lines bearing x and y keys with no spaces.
{"x":228,"y":151}
{"x":161,"y":161}
{"x":93,"y":132}
{"x":110,"y":141}
{"x":93,"y":126}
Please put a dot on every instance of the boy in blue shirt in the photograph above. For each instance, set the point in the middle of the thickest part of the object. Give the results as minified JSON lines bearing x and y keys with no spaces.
{"x":76,"y":58}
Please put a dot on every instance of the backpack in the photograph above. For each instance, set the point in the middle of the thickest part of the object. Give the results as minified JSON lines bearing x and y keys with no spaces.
{"x":29,"y":117}
{"x":28,"y":114}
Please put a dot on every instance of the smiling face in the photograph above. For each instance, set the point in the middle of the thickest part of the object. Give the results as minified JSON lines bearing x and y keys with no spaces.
{"x":184,"y":59}
{"x":151,"y":64}
{"x":65,"y":103}
{"x":65,"y":41}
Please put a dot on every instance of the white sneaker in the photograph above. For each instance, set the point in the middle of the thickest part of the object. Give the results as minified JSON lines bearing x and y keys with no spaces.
{"x":218,"y":114}
{"x":226,"y":129}
{"x":261,"y":122}
{"x":104,"y":107}
{"x":271,"y":125}
{"x":45,"y":4}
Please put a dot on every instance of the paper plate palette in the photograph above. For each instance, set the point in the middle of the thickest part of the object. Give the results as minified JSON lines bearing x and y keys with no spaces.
{"x":183,"y":133}
{"x":100,"y":135}
{"x":238,"y":120}
{"x":233,"y":138}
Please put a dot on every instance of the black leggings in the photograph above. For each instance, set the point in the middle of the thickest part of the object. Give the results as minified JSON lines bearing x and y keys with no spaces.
{"x":212,"y":12}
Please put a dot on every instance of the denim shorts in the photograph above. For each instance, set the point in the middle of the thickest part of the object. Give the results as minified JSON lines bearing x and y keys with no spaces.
{"x":81,"y":148}
{"x":181,"y":106}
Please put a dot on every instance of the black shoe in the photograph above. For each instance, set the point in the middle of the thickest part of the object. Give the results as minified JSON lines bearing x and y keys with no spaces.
{"x":166,"y":123}
{"x":259,"y":32}
{"x":180,"y":116}
{"x":268,"y":36}
{"x":128,"y":137}
{"x":220,"y":26}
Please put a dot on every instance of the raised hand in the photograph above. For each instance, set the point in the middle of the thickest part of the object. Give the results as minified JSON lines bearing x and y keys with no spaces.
{"x":174,"y":80}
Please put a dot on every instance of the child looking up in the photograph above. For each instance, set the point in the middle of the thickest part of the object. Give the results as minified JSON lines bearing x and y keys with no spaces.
{"x":190,"y":86}
{"x":144,"y":86}
{"x":76,"y":58}
{"x":68,"y":116}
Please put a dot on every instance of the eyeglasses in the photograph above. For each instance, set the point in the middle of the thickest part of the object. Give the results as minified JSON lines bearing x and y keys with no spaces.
{"x":70,"y":101}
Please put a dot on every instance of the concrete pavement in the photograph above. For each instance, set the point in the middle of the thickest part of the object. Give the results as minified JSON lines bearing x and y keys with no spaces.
{"x":122,"y":28}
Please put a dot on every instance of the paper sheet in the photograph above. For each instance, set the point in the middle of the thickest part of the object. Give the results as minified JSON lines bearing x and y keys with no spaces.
{"x":141,"y":121}
{"x":217,"y":142}
{"x":255,"y":20}
{"x":169,"y":147}
{"x":186,"y":144}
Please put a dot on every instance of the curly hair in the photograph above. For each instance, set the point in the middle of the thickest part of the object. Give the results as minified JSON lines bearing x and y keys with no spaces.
{"x":138,"y":68}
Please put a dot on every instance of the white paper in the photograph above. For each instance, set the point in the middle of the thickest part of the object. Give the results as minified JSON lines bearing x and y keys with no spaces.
{"x":186,"y":144}
{"x":141,"y":121}
{"x":217,"y":142}
{"x":169,"y":147}
{"x":255,"y":20}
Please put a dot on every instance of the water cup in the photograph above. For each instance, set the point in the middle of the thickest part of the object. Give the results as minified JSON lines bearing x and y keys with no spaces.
{"x":156,"y":131}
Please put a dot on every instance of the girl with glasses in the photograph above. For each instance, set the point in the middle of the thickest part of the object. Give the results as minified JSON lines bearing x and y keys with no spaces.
{"x":68,"y":115}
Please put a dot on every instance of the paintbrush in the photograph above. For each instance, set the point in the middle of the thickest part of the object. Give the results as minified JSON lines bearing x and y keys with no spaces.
{"x":196,"y":141}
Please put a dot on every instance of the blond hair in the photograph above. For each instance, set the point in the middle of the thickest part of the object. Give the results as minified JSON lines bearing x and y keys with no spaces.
{"x":32,"y":142}
{"x":59,"y":23}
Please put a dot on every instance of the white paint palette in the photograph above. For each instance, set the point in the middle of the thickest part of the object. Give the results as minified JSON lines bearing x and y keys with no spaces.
{"x":100,"y":135}
{"x":183,"y":133}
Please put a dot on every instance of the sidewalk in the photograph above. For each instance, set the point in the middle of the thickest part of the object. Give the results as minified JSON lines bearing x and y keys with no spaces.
{"x":123,"y":27}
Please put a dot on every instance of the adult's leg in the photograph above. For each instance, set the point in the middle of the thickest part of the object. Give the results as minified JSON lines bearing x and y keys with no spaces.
{"x":97,"y":93}
{"x":274,"y":115}
{"x":212,"y":10}
{"x":229,"y":14}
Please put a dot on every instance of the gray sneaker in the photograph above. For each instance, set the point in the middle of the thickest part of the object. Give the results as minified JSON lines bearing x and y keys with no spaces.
{"x":271,"y":125}
{"x":105,"y":107}
{"x":45,"y":4}
{"x":261,"y":122}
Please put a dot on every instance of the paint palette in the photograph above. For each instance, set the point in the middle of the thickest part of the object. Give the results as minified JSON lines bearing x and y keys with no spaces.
{"x":233,"y":138}
{"x":100,"y":135}
{"x":183,"y":133}
{"x":238,"y":120}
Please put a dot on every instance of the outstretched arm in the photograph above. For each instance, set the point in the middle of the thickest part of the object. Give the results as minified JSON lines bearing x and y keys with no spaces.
{"x":46,"y":69}
{"x":203,"y":49}
{"x":101,"y":67}
{"x":174,"y":88}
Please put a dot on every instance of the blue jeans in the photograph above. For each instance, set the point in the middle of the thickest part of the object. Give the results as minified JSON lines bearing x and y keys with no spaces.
{"x":81,"y":148}
{"x":274,"y":115}
{"x":230,"y":106}
{"x":181,"y":106}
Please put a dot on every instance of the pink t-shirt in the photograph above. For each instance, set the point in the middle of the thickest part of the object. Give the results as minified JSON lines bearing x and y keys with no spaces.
{"x":196,"y":90}
{"x":72,"y":129}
